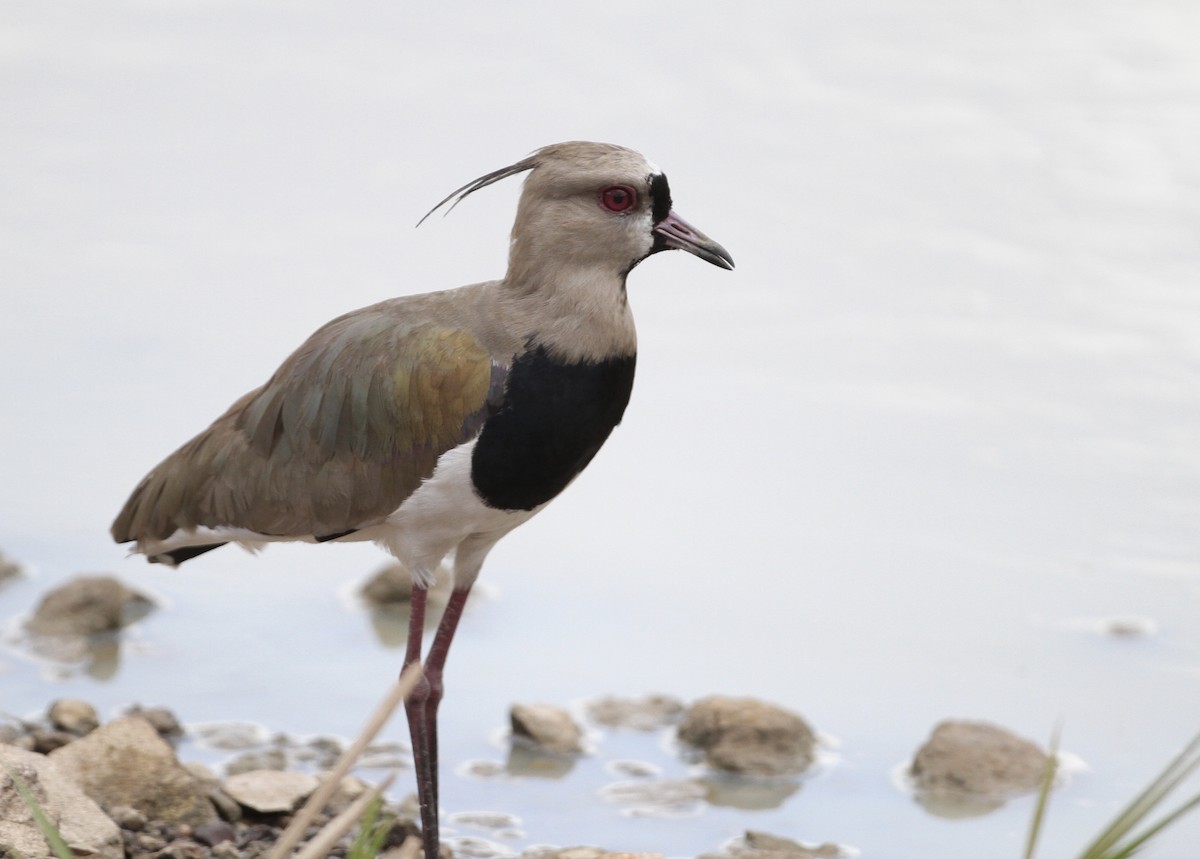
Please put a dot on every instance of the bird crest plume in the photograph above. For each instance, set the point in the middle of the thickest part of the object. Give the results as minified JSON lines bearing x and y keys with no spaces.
{"x":460,"y":194}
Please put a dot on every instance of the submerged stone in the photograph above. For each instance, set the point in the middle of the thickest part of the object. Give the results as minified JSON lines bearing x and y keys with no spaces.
{"x":979,"y":759}
{"x":747,"y":736}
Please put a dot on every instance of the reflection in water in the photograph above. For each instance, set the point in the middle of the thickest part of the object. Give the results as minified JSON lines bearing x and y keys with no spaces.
{"x":945,"y":804}
{"x":955,"y":806}
{"x":98,"y":656}
{"x":952,"y":400}
{"x":391,"y":625}
{"x":661,"y":797}
{"x":748,"y":793}
{"x":526,"y":760}
{"x":386,"y":596}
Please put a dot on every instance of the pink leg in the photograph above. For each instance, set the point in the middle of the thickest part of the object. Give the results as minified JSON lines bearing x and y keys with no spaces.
{"x":422,"y":705}
{"x":418,"y":727}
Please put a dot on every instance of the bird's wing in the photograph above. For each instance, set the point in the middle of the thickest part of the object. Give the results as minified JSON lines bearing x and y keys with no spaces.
{"x":343,"y":432}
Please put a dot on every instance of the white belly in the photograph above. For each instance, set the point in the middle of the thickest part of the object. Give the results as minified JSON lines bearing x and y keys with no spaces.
{"x":445,"y":515}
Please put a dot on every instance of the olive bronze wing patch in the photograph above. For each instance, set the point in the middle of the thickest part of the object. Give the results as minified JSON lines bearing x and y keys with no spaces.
{"x":345,"y":430}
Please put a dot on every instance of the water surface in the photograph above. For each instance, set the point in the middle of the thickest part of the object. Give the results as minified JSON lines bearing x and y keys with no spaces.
{"x":939,"y":423}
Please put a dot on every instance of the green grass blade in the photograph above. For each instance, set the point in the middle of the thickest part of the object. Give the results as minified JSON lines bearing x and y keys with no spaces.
{"x":1143,"y":804}
{"x":1132,"y":847}
{"x":49,"y":831}
{"x":372,"y":833}
{"x":1043,"y":798}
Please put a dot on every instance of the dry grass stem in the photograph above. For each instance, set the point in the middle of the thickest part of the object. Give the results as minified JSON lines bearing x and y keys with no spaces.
{"x":320,"y":846}
{"x":292,"y":835}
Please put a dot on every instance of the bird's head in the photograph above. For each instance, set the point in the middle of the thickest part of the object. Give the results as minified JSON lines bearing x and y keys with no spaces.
{"x":594,"y":206}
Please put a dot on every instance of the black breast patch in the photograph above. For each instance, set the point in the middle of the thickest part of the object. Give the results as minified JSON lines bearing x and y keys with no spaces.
{"x":553,"y":419}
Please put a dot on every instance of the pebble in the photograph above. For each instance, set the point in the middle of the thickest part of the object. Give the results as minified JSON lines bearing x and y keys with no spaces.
{"x":160,"y":718}
{"x":270,"y":791}
{"x":548,"y":727}
{"x":226,"y":850}
{"x":150,"y":843}
{"x":88,"y":605}
{"x":270,"y":759}
{"x":183,"y":850}
{"x":230,"y":736}
{"x":215,"y":832}
{"x":977,"y":758}
{"x":491,"y":820}
{"x":127,"y":817}
{"x":44,"y":742}
{"x":633,"y":769}
{"x":73,"y":716}
{"x":747,"y":736}
{"x":764,"y":841}
{"x":8,"y":569}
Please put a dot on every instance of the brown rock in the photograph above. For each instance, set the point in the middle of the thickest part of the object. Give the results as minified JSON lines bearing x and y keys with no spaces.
{"x":44,"y":742}
{"x":548,"y":727}
{"x":160,"y":718}
{"x":587,"y":853}
{"x":747,"y":736}
{"x":126,"y":762}
{"x":73,"y":716}
{"x":976,"y":758}
{"x":8,"y":569}
{"x":88,"y":605}
{"x":762,"y":843}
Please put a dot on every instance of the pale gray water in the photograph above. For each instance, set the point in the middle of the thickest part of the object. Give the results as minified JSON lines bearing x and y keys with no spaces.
{"x":945,"y":410}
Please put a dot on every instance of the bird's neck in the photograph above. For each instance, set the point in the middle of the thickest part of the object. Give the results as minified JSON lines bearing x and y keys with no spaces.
{"x":578,"y":313}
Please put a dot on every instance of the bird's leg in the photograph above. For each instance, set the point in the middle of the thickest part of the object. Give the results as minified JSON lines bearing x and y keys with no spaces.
{"x":421,"y":727}
{"x":434,"y":664}
{"x":422,"y":705}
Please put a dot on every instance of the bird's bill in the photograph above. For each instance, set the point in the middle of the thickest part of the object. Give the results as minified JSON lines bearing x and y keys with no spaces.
{"x":676,"y":233}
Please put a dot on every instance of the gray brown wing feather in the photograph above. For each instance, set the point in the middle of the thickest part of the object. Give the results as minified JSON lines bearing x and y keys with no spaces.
{"x":343,"y":432}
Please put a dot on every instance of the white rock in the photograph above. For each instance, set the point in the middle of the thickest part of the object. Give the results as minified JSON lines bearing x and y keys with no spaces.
{"x":270,"y":791}
{"x":80,"y":821}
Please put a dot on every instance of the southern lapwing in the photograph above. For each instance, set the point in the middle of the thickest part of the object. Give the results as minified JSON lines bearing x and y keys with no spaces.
{"x":435,"y":424}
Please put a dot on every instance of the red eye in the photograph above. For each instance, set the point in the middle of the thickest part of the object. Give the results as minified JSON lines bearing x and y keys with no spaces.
{"x":618,"y":198}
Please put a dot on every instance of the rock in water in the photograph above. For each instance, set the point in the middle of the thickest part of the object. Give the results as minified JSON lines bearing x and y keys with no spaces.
{"x":88,"y":605}
{"x":747,"y":736}
{"x":549,"y":728}
{"x":978,"y":759}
